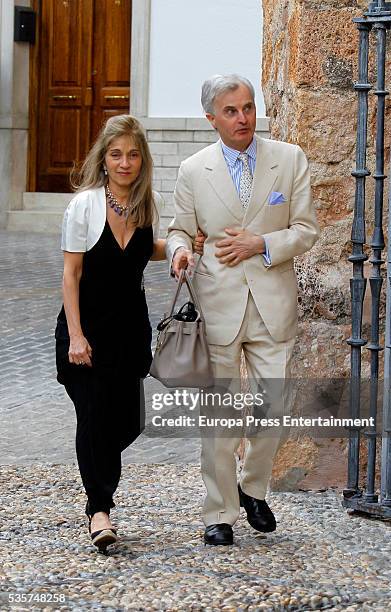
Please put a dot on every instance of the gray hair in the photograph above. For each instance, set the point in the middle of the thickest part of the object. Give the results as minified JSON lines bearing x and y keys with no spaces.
{"x":219,"y":84}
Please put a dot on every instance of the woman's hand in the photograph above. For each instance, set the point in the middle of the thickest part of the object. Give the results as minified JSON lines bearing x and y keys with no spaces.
{"x":198,"y":244}
{"x":80,"y":351}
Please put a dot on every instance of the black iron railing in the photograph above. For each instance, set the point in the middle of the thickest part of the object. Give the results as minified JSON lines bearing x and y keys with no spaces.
{"x":376,"y":22}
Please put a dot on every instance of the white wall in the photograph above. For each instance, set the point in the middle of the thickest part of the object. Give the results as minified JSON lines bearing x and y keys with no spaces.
{"x":194,"y":39}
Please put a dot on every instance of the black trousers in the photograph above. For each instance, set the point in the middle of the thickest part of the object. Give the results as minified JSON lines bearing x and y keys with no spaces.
{"x":110,"y":413}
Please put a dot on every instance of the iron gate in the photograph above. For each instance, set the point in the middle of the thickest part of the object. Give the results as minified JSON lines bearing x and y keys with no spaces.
{"x":375,"y":22}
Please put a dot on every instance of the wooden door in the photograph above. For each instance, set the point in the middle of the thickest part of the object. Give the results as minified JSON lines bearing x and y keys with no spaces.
{"x":111,"y":60}
{"x":83,"y":65}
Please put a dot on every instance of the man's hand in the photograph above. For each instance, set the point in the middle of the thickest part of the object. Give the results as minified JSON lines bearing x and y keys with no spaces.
{"x":241,"y":244}
{"x":181,"y":260}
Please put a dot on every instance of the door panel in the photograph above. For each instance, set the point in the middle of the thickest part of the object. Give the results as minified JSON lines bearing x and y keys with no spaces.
{"x":64,"y":117}
{"x":84,"y":75}
{"x":111,"y":59}
{"x":64,"y":121}
{"x":65,"y":30}
{"x":116,"y":66}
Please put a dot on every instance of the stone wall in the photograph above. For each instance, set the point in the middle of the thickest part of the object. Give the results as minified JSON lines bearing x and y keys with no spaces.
{"x":309,"y":65}
{"x":14,"y":67}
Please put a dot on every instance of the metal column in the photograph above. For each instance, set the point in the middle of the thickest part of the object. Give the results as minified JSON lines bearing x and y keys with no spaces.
{"x":378,"y":20}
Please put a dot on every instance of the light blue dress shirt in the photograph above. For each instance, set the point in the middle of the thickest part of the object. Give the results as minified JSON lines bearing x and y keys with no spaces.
{"x":235,"y":167}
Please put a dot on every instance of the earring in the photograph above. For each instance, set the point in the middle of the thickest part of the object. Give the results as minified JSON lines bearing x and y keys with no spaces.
{"x":105,"y":170}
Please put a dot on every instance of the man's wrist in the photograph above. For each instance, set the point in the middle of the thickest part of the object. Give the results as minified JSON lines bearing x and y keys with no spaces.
{"x":177,"y":250}
{"x":180,"y":248}
{"x":261,"y":245}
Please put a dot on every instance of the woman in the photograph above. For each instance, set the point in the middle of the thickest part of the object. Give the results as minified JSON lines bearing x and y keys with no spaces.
{"x":103,"y":334}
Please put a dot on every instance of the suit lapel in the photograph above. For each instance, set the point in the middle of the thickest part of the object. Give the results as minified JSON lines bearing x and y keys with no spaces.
{"x":265,"y":175}
{"x":218,"y":176}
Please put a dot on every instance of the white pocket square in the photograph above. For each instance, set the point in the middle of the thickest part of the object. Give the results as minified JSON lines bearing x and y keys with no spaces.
{"x":276,"y":198}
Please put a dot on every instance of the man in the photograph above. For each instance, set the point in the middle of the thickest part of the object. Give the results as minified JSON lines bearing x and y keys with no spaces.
{"x":251,"y":198}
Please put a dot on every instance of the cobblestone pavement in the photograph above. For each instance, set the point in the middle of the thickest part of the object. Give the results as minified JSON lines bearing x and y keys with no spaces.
{"x":319,"y":557}
{"x":37,"y":418}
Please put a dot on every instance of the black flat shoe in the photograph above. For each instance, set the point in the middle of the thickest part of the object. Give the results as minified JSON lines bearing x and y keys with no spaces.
{"x":102,"y":538}
{"x":259,"y":515}
{"x":219,"y":534}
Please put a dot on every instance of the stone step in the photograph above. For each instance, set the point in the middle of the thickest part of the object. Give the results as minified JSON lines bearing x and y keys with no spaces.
{"x":43,"y":213}
{"x":43,"y":221}
{"x":49,"y":222}
{"x":57,"y":202}
{"x":46,"y":201}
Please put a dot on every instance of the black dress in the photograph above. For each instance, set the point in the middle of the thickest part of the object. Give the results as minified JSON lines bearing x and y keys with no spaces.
{"x":108,"y":397}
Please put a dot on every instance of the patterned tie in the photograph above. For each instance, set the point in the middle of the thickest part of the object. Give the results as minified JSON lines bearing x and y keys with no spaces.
{"x":246,"y":181}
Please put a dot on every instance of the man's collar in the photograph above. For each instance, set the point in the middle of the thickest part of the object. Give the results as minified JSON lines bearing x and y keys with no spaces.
{"x":231,"y":155}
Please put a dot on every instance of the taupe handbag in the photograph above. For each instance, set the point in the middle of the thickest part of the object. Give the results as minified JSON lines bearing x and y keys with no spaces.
{"x":182,"y":356}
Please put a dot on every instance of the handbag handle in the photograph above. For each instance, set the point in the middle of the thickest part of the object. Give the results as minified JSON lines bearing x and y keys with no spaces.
{"x":193,"y":295}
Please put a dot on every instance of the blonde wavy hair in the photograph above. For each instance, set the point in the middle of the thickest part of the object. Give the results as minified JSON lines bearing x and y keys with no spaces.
{"x":91,"y":174}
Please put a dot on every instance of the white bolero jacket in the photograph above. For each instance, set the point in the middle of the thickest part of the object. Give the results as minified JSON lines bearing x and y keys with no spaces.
{"x":85,"y":218}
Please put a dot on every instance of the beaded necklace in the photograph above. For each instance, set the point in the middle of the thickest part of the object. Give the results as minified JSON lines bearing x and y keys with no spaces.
{"x":115,"y":205}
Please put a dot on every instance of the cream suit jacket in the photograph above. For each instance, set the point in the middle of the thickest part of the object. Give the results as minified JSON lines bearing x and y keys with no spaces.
{"x":205,"y":197}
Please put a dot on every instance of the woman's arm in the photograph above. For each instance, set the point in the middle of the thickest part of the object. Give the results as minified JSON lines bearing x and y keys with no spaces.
{"x":159,"y":247}
{"x":79,"y":349}
{"x":159,"y":250}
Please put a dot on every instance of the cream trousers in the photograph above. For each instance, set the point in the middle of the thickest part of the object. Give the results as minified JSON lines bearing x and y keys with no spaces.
{"x":265,"y":360}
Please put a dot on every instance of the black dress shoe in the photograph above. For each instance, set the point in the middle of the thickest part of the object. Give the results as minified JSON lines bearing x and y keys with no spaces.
{"x":219,"y":533}
{"x":259,"y":514}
